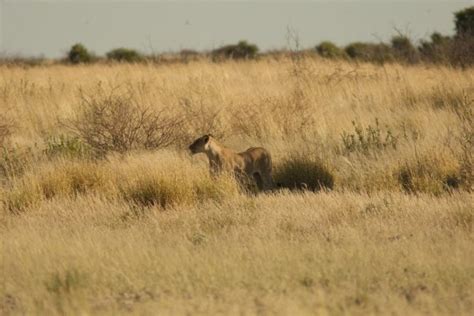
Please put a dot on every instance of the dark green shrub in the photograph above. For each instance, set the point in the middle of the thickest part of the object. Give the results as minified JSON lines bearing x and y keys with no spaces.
{"x":464,"y":21}
{"x":303,"y":173}
{"x":187,"y":55}
{"x":242,"y":50}
{"x":463,"y":46}
{"x":438,"y":50}
{"x":403,"y":49}
{"x":124,"y":55}
{"x":79,"y":54}
{"x":329,"y":50}
{"x":379,"y":53}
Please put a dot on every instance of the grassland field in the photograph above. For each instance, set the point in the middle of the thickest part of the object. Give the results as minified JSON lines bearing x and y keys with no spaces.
{"x":101,"y":216}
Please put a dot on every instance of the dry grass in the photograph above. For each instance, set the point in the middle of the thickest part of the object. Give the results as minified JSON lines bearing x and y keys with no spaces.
{"x":147,"y":232}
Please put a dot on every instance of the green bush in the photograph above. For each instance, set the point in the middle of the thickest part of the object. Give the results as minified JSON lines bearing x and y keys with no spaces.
{"x":303,"y":173}
{"x":404,"y":50}
{"x":439,"y":49}
{"x":242,"y":50}
{"x":329,"y":50}
{"x":124,"y":55}
{"x":79,"y":54}
{"x":464,"y":21}
{"x":379,"y":53}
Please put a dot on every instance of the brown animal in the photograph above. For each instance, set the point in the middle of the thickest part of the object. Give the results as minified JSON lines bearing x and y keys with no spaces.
{"x":254,"y":163}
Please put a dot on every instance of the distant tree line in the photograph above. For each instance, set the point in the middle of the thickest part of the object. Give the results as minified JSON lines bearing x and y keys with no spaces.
{"x":455,"y":50}
{"x":79,"y":54}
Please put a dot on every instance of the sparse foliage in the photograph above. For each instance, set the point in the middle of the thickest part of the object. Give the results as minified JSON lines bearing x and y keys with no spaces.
{"x":117,"y":122}
{"x":66,"y":146}
{"x":368,"y":139}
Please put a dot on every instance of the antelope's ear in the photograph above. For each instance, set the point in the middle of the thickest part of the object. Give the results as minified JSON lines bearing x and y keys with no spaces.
{"x":206,"y":138}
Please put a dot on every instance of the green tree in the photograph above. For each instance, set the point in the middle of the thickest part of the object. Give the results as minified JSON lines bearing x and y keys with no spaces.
{"x":464,"y":21}
{"x":329,"y":50}
{"x":79,"y":54}
{"x":439,"y":49}
{"x":379,"y":53}
{"x":242,"y":50}
{"x":404,"y":49}
{"x":124,"y":54}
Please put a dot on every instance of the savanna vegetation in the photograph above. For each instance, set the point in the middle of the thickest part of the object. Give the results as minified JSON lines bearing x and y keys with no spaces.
{"x":103,"y":211}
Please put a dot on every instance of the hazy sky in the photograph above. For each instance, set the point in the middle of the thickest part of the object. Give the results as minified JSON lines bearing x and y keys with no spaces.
{"x":49,"y":28}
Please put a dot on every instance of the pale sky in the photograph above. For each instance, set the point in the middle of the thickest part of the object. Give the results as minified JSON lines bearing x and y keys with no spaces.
{"x":49,"y":28}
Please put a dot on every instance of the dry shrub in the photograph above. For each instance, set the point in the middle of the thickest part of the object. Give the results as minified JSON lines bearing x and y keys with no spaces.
{"x":69,"y":179}
{"x":271,"y":116}
{"x":59,"y":179}
{"x":158,"y":191}
{"x":13,"y":162}
{"x":442,"y":96}
{"x":429,"y":174}
{"x":176,"y":187}
{"x":303,"y":173}
{"x":365,"y":174}
{"x":21,"y":197}
{"x":140,"y":182}
{"x":118,"y":123}
{"x":201,"y":117}
{"x":448,"y":97}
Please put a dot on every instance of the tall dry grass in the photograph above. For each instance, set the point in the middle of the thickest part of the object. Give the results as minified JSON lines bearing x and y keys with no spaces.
{"x":145,"y":229}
